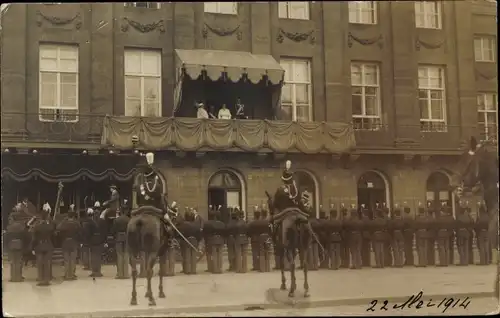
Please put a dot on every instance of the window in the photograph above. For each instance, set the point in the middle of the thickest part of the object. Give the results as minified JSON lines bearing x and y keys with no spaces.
{"x":365,"y":91}
{"x":428,"y":14}
{"x":296,"y":92}
{"x":363,"y":12}
{"x":58,"y":83}
{"x":142,"y":83}
{"x":484,"y":49}
{"x":221,"y":7}
{"x":487,"y":110}
{"x":432,"y":98}
{"x":293,"y":10}
{"x":149,"y":5}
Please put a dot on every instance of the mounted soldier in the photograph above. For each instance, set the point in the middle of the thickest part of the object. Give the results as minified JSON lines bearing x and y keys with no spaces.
{"x":300,"y":199}
{"x":113,"y":204}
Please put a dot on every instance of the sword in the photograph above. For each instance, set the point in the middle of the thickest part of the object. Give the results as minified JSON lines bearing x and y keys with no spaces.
{"x":181,"y":235}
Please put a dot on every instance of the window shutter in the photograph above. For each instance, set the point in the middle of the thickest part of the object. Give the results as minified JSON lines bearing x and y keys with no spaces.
{"x":282,"y":9}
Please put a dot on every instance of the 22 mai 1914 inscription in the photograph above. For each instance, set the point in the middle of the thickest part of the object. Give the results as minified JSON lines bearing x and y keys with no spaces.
{"x":415,"y":301}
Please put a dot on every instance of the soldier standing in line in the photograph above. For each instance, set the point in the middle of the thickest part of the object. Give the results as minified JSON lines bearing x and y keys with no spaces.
{"x":17,"y":240}
{"x":355,"y":228}
{"x":240,"y":242}
{"x":379,"y":236}
{"x":442,"y":237}
{"x":218,"y":242}
{"x":367,"y":235}
{"x":119,"y":230}
{"x":264,"y":243}
{"x":208,"y":233}
{"x":344,"y":216}
{"x":87,"y":226}
{"x":313,"y":253}
{"x":254,"y":238}
{"x":230,"y":240}
{"x":463,"y":223}
{"x":97,"y":241}
{"x":70,"y":233}
{"x":432,"y":225}
{"x":388,"y":254}
{"x":334,"y":228}
{"x":471,"y":241}
{"x":397,"y":227}
{"x":43,"y":237}
{"x":408,"y":234}
{"x":324,"y":239}
{"x":421,"y":224}
{"x":194,"y":237}
{"x":183,"y":228}
{"x":450,"y":220}
{"x":481,"y":228}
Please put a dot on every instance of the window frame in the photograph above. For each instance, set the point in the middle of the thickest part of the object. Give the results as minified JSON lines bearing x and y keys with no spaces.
{"x":372,"y":118}
{"x":58,"y":109}
{"x":142,"y":76}
{"x":134,"y":5}
{"x":286,"y":14}
{"x":429,"y":99}
{"x":485,"y":38}
{"x":218,"y":10}
{"x":354,"y":7}
{"x":484,"y":114}
{"x":293,"y":84}
{"x":427,"y":24}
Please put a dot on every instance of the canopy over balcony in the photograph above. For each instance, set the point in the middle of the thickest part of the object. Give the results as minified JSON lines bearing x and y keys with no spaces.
{"x":228,"y":65}
{"x":191,"y":134}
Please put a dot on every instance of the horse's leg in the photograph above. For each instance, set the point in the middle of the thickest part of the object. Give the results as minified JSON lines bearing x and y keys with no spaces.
{"x":161,"y":294}
{"x":281,"y":253}
{"x":151,"y":259}
{"x":291,"y":260}
{"x":133,"y":264}
{"x":305,"y":238}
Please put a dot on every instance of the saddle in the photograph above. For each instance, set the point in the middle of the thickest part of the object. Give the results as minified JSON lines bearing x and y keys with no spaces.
{"x":153,"y":211}
{"x":293,"y":212}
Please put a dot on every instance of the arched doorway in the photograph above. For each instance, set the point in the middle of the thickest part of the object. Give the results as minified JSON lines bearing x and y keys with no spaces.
{"x":226,"y":188}
{"x":373,"y":188}
{"x":438,"y":190}
{"x":307,"y":182}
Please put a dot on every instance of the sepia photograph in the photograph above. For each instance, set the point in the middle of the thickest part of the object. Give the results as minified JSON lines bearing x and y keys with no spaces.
{"x":239,"y":159}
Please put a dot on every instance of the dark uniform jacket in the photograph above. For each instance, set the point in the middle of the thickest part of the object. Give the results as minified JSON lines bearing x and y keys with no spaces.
{"x":17,"y":236}
{"x":119,"y":228}
{"x":464,"y":224}
{"x":98,"y":231}
{"x":334,"y":229}
{"x":87,"y":227}
{"x":43,"y":236}
{"x":114,"y":201}
{"x":397,"y":225}
{"x":219,"y":229}
{"x":379,"y":227}
{"x":70,"y":234}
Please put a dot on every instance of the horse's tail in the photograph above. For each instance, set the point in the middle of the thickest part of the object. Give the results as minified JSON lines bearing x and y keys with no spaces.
{"x":134,"y":238}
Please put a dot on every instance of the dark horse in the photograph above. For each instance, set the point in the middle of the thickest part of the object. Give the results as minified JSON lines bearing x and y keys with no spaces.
{"x":292,"y":234}
{"x":479,"y":168}
{"x":147,"y":232}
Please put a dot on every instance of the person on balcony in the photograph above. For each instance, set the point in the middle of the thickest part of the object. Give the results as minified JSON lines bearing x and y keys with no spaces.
{"x":201,"y":112}
{"x":224,"y":113}
{"x":240,"y":110}
{"x":211,"y":112}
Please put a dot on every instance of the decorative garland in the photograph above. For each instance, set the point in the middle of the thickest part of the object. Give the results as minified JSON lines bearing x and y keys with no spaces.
{"x":485,"y":76}
{"x":295,"y":36}
{"x":8,"y":172}
{"x":419,"y":43}
{"x":143,"y":28}
{"x":378,"y":39}
{"x":57,"y":21}
{"x":221,"y":32}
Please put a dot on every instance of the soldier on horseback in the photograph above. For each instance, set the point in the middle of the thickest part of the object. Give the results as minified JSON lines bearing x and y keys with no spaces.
{"x":289,"y":182}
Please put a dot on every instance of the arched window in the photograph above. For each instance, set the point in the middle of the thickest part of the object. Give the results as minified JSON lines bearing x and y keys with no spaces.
{"x":307,"y":182}
{"x":438,"y":190}
{"x":372,"y":189}
{"x":225,"y":188}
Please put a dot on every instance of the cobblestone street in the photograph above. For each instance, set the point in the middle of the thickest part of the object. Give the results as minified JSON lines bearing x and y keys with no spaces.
{"x":346,"y":291}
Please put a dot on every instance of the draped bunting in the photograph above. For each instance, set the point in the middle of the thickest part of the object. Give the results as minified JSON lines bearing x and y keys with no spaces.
{"x":190,"y":134}
{"x":100,"y":176}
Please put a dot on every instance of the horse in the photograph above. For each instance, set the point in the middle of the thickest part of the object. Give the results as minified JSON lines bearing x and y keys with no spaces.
{"x":479,"y":167}
{"x":292,"y":235}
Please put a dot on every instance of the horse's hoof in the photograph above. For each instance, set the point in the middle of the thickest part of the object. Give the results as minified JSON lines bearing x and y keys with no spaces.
{"x":283,"y":287}
{"x":306,"y":294}
{"x":133,"y":302}
{"x":152,"y":302}
{"x":161,"y":295}
{"x":291,"y":294}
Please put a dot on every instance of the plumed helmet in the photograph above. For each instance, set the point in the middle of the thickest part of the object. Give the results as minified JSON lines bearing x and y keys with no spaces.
{"x":90,"y":211}
{"x":174,"y":204}
{"x":46,"y":207}
{"x":97,"y":204}
{"x":150,"y":158}
{"x":288,"y":164}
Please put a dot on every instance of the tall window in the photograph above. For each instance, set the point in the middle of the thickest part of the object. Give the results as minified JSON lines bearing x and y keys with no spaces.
{"x":293,"y":10}
{"x":365,"y":90}
{"x":363,"y":12}
{"x":296,"y":96}
{"x":150,"y":5}
{"x":484,"y":48}
{"x":58,"y":83}
{"x":432,"y":98}
{"x":487,"y":111}
{"x":428,"y":14}
{"x":142,"y":83}
{"x":221,"y":7}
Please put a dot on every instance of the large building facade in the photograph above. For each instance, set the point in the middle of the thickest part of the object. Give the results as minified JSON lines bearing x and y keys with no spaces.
{"x":371,"y":101}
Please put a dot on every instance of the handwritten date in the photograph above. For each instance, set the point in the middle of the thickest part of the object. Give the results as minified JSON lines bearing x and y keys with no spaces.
{"x":415,"y":301}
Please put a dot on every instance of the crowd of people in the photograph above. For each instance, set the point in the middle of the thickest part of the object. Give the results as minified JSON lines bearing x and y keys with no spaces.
{"x":346,"y":239}
{"x":222,"y":113}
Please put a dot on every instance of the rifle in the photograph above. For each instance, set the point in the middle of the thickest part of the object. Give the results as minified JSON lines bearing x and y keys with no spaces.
{"x":60,"y":186}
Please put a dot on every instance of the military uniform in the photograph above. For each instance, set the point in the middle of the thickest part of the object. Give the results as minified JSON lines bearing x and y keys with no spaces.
{"x":432,"y":227}
{"x":345,"y":257}
{"x":355,"y":228}
{"x":442,"y":238}
{"x":43,"y":237}
{"x":254,"y":239}
{"x":463,"y":224}
{"x":481,"y":228}
{"x":323,"y":237}
{"x":264,"y":243}
{"x":97,"y":240}
{"x":17,"y":240}
{"x":208,"y":233}
{"x":113,"y":204}
{"x":422,"y":240}
{"x":191,"y":230}
{"x":397,"y":228}
{"x":333,"y":230}
{"x":408,"y":234}
{"x":450,"y":220}
{"x":240,"y":243}
{"x":366,"y":231}
{"x":88,"y":226}
{"x":230,"y":235}
{"x":218,"y":243}
{"x":379,"y":236}
{"x":313,"y":252}
{"x":388,"y":252}
{"x":70,"y":234}
{"x":119,"y":230}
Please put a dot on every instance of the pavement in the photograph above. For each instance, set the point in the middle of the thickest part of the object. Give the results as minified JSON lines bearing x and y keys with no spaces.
{"x":341,"y":292}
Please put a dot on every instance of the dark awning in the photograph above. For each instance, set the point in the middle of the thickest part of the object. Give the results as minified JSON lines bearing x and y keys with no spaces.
{"x":235,"y":64}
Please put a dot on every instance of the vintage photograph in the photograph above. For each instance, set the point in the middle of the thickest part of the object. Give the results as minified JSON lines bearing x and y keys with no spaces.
{"x":267,"y":158}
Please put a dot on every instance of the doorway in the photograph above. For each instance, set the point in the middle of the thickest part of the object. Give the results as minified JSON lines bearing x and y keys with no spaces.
{"x":225,"y":189}
{"x":371,"y":190}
